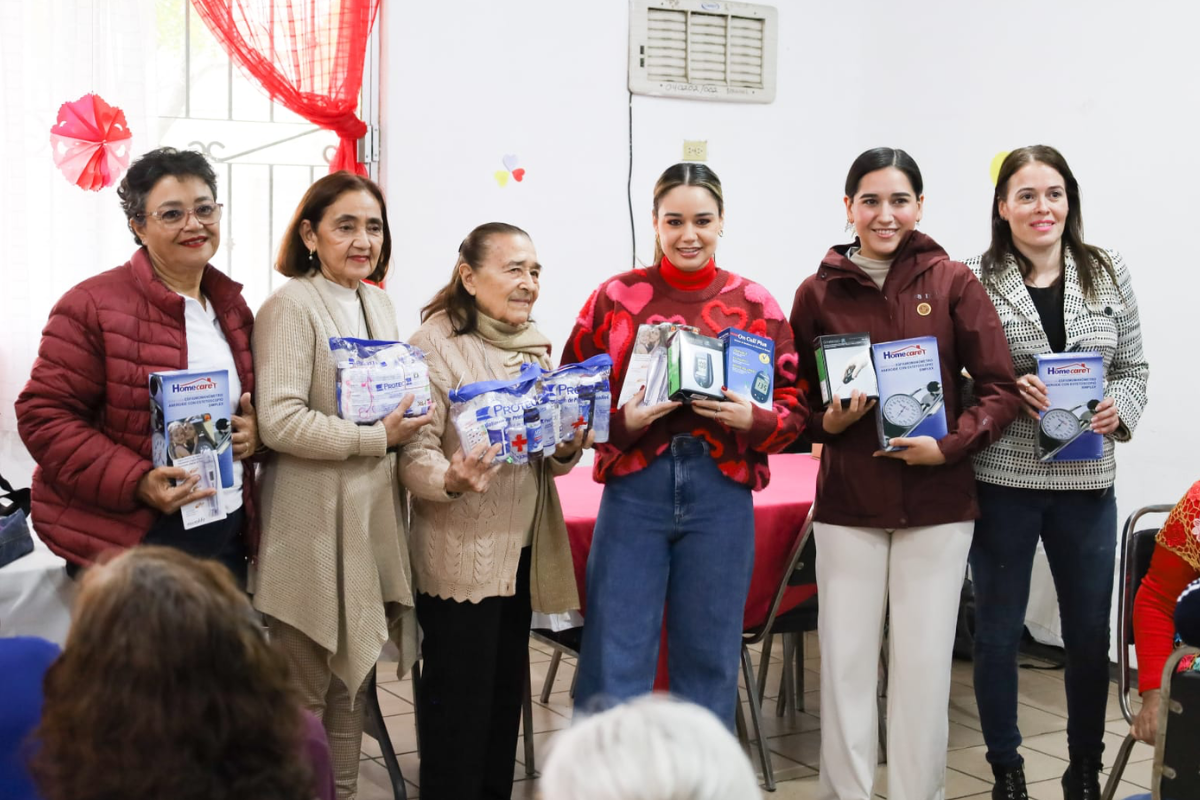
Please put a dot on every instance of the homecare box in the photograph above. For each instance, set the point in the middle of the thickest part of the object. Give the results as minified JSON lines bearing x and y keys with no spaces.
{"x":909,"y":376}
{"x":843,"y":365}
{"x":695,"y":367}
{"x":749,"y":366}
{"x":1075,"y":384}
{"x":190,"y":414}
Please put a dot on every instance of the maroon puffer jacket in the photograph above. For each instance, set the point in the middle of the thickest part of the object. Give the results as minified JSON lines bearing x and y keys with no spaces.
{"x":85,"y":413}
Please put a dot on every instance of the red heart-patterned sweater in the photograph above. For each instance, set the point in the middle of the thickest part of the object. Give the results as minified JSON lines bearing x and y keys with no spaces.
{"x":608,"y":323}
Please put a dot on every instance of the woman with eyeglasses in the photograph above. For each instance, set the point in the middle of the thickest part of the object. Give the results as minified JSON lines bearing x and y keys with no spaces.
{"x":85,"y":413}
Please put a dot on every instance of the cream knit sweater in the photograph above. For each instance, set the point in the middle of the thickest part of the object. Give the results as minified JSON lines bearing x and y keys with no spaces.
{"x":334,"y":556}
{"x":466,"y":548}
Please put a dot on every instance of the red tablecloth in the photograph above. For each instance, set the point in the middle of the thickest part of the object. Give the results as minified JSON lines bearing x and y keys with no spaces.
{"x":779,"y":513}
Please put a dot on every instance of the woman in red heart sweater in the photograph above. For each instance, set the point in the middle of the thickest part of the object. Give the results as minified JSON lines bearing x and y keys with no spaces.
{"x":676,"y":522}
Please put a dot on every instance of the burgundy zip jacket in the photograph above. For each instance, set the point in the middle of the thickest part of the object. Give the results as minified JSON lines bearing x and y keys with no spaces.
{"x":855,"y":488}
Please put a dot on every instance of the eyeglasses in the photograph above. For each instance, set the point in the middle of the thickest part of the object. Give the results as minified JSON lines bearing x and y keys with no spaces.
{"x":205,"y":214}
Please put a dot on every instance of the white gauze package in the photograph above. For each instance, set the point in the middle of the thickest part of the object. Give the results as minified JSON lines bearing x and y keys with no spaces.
{"x":374,"y":376}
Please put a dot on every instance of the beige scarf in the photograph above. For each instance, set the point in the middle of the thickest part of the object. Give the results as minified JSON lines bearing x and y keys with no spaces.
{"x":550,"y":592}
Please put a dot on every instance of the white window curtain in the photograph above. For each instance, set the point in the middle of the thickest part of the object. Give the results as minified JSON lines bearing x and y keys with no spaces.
{"x":56,"y":234}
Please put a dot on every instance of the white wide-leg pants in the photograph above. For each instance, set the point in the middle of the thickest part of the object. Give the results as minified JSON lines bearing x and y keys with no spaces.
{"x":920,"y":572}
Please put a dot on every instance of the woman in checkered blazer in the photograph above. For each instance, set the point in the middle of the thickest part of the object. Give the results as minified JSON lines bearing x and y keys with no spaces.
{"x":1054,"y":293}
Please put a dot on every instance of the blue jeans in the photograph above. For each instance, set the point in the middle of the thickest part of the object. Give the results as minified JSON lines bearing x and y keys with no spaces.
{"x":681,"y":533}
{"x":1079,"y":532}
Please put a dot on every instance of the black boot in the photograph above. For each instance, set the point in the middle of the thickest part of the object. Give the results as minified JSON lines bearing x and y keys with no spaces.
{"x":1081,"y":781}
{"x":1010,"y":782}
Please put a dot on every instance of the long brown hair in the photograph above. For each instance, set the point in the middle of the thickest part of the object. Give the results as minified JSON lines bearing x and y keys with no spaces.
{"x":453,"y":298}
{"x":1092,"y":263}
{"x":685,"y":174}
{"x":167,"y":688}
{"x":293,"y":259}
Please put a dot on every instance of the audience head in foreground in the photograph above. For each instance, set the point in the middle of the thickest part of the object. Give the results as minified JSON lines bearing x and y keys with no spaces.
{"x":652,"y":748}
{"x":167,"y":688}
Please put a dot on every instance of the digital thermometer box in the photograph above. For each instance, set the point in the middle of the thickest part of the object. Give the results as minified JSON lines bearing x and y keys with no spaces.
{"x":1075,"y":384}
{"x":749,"y":366}
{"x":190,"y":414}
{"x":909,"y":375}
{"x":695,"y":367}
{"x":843,"y":365}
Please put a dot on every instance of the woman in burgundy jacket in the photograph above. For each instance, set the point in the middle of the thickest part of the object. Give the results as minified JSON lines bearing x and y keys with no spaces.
{"x":85,"y":413}
{"x":894,"y":528}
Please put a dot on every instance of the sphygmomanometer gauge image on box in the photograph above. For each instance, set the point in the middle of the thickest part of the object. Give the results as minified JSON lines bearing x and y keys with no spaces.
{"x":909,"y":376}
{"x":1075,"y":385}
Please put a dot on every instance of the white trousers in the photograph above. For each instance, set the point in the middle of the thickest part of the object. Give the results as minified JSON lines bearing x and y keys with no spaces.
{"x":920,"y":572}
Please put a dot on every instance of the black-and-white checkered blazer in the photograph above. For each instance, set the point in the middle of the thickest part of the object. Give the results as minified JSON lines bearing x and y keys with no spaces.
{"x":1106,"y":323}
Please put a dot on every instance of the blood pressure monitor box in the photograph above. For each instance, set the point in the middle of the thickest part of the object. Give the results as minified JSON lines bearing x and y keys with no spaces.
{"x":695,"y":367}
{"x":1075,"y":384}
{"x":749,"y":366}
{"x":843,"y":365}
{"x":909,"y":376}
{"x":190,"y":414}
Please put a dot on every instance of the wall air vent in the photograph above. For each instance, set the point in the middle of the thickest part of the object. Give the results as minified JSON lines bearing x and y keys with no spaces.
{"x":703,"y":50}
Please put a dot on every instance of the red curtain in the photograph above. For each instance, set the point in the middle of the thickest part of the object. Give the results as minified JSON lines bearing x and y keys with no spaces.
{"x":307,"y":55}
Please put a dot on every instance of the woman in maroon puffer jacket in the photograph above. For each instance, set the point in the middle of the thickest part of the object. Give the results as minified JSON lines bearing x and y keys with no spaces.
{"x":85,"y":413}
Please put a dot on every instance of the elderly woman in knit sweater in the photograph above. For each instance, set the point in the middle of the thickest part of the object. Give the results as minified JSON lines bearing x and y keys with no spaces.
{"x":333,"y":572}
{"x":488,"y":542}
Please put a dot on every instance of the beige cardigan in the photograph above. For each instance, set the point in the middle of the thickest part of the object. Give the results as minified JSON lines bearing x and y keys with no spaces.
{"x":334,"y":556}
{"x":466,"y":548}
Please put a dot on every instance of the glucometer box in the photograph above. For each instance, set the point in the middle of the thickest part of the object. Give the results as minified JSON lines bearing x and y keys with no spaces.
{"x":189,"y":415}
{"x":843,"y":365}
{"x":1075,"y":385}
{"x":695,"y":367}
{"x":749,"y":365}
{"x":909,"y":375}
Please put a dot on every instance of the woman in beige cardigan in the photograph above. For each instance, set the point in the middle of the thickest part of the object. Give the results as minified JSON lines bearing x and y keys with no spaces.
{"x":488,"y":542}
{"x":333,"y":573}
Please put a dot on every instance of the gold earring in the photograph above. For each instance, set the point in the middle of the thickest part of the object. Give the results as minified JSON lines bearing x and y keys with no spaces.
{"x":311,"y":255}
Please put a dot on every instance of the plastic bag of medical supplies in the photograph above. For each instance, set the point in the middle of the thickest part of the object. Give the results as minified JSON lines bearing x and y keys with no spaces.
{"x":374,"y":376}
{"x":583,"y":397}
{"x":504,"y":412}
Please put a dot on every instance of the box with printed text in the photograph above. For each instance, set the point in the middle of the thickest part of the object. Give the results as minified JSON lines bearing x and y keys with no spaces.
{"x":909,"y":376}
{"x":190,"y":414}
{"x":749,"y":366}
{"x":1075,"y":384}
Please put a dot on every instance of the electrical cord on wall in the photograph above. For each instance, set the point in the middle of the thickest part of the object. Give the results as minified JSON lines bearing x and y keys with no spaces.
{"x":629,"y":189}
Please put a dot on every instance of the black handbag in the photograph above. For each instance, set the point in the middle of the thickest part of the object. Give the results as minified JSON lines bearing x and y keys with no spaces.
{"x":15,"y":539}
{"x":12,"y":499}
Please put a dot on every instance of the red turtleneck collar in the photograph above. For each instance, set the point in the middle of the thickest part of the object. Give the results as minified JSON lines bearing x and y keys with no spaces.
{"x":688,"y":281}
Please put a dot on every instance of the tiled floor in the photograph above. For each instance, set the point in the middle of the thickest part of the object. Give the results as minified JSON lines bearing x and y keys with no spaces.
{"x":795,"y":739}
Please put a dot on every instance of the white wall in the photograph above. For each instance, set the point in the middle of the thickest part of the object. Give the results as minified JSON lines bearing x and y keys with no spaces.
{"x":1109,"y":83}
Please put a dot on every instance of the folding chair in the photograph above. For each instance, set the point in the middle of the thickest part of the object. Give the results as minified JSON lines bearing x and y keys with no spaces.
{"x":800,"y":567}
{"x":377,"y":730}
{"x":1136,"y":548}
{"x":385,"y":743}
{"x":1176,"y":768}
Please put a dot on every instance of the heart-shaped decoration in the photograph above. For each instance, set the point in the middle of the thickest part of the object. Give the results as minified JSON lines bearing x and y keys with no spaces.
{"x":788,"y":365}
{"x":737,"y":470}
{"x":716,"y":446}
{"x":518,"y":174}
{"x":719,"y":316}
{"x":633,"y":297}
{"x":501,"y":176}
{"x":657,"y":319}
{"x":510,"y":163}
{"x":733,"y":282}
{"x":758,"y":327}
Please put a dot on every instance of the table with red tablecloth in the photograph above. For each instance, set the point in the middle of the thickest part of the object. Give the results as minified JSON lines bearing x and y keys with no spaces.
{"x":779,"y":514}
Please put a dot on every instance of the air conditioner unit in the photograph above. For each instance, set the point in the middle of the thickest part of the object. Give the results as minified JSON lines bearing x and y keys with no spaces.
{"x":703,"y":50}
